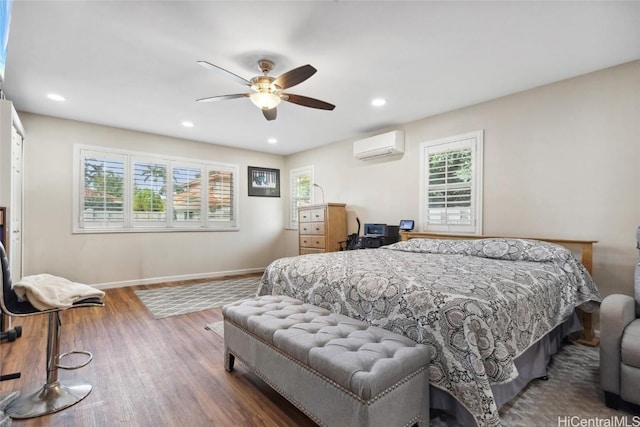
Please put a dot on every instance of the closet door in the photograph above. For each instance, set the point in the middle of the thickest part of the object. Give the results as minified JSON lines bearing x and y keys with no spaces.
{"x":11,"y":161}
{"x":15,"y":225}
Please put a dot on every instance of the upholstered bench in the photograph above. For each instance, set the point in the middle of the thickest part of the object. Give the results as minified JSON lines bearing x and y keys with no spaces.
{"x":337,"y":370}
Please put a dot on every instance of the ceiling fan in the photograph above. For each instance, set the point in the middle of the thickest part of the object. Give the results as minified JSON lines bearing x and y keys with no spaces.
{"x":267,"y":90}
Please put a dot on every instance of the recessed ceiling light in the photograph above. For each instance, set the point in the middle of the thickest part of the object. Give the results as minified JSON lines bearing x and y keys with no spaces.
{"x":187,"y":124}
{"x":56,"y":97}
{"x":378,"y":102}
{"x":272,"y":141}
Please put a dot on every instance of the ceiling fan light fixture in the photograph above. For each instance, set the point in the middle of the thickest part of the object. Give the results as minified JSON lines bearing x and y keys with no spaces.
{"x":265,"y":100}
{"x":267,"y":90}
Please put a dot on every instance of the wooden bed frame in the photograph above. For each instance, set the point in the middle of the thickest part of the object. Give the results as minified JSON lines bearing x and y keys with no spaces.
{"x":586,"y":253}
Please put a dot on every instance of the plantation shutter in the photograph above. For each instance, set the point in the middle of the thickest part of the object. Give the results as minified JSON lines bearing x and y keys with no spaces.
{"x":452,"y":184}
{"x":187,"y":195}
{"x":221,"y":197}
{"x":300,"y":184}
{"x":449,"y":182}
{"x":149,"y":198}
{"x":102,"y":198}
{"x":142,"y":192}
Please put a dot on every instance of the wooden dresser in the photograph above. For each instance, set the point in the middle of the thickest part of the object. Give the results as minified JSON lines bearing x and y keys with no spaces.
{"x":321,"y":227}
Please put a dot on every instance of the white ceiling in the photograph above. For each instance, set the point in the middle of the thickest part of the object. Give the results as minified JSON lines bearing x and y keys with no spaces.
{"x":132,"y":64}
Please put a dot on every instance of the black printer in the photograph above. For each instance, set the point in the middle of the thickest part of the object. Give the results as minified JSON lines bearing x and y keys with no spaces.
{"x":376,"y":235}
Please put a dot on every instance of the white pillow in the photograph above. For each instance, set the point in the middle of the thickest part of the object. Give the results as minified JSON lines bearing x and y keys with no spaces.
{"x":637,"y":280}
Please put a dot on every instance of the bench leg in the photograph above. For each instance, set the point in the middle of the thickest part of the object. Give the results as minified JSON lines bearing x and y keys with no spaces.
{"x":612,"y":400}
{"x":228,"y":361}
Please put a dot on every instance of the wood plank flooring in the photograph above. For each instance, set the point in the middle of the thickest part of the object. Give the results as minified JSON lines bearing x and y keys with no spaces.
{"x":145,"y":372}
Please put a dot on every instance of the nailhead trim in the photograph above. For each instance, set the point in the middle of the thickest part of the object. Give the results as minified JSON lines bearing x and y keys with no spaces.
{"x":323,"y":377}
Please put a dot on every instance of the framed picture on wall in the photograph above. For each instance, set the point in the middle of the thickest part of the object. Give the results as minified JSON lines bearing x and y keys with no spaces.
{"x":264,"y":182}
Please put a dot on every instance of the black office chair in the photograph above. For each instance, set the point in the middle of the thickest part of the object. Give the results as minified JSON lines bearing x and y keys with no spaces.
{"x":54,"y":395}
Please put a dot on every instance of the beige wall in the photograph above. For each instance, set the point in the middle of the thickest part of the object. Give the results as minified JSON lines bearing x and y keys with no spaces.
{"x":560,"y":161}
{"x":130,"y":258}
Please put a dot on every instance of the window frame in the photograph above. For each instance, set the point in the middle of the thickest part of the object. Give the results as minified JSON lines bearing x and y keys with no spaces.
{"x":129,"y":224}
{"x":293,"y":207}
{"x":474,"y":141}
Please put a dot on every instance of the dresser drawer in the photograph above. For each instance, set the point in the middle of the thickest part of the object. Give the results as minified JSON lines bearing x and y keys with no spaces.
{"x":304,"y":251}
{"x":311,"y":228}
{"x":312,"y":242}
{"x":312,"y":215}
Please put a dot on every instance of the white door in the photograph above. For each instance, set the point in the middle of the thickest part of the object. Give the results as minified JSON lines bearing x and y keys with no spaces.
{"x":15,"y":215}
{"x":11,"y":173}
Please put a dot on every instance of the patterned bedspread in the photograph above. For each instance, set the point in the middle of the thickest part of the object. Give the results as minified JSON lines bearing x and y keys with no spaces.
{"x":478,"y":304}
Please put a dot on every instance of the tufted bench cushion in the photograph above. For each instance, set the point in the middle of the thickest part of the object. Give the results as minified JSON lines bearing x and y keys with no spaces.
{"x":338,"y":370}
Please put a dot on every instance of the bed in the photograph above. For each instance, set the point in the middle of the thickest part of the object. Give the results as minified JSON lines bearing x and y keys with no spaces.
{"x":492,"y":310}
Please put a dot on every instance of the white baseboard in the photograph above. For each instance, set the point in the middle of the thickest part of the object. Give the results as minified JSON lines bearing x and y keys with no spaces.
{"x":153,"y":280}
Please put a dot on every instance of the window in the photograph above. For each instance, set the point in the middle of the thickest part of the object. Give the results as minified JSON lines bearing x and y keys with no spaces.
{"x":149,"y":193}
{"x":126,"y":191}
{"x":102,"y":191}
{"x":451,"y":184}
{"x":187,"y":195}
{"x":300,"y":194}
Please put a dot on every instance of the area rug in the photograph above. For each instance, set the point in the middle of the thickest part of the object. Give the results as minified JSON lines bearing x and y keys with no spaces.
{"x":175,"y":300}
{"x":217,"y":327}
{"x":571,"y":397}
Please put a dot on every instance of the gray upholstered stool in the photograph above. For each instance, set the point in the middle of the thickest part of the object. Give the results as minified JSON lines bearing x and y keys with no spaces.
{"x":337,"y":370}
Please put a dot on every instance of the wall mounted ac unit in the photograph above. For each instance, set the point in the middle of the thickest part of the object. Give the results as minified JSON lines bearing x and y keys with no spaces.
{"x":385,"y":144}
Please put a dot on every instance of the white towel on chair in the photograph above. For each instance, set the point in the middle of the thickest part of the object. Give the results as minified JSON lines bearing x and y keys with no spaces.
{"x":45,"y":291}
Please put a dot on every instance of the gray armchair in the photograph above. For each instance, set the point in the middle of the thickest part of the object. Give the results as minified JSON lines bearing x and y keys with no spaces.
{"x":620,"y":345}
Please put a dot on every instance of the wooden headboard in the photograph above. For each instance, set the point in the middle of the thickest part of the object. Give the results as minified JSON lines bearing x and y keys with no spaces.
{"x":586,"y":254}
{"x":585,"y":246}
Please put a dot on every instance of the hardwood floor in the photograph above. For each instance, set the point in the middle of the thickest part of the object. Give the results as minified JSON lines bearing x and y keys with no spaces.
{"x":145,"y":372}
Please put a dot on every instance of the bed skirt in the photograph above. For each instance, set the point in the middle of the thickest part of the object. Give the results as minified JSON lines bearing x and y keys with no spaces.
{"x":531,"y":364}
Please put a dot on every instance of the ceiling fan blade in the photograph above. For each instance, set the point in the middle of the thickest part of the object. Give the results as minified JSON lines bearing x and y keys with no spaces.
{"x":225,"y":73}
{"x":270,"y":114}
{"x":305,"y":101}
{"x":223,"y":97}
{"x":295,"y":76}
